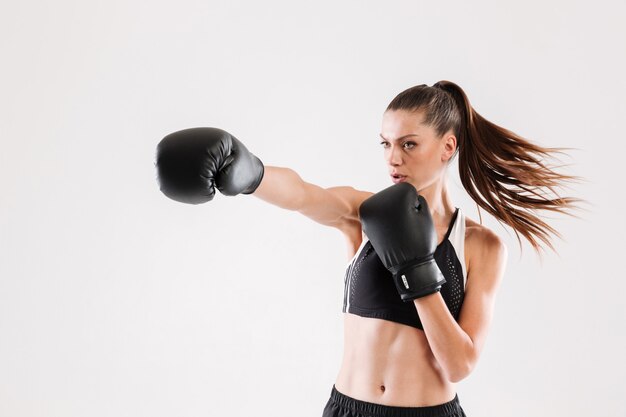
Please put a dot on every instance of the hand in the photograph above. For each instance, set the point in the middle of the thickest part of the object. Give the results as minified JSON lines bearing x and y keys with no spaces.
{"x":399,"y":225}
{"x":192,"y":162}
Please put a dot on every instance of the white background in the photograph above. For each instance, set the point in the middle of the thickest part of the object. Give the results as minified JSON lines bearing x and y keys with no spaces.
{"x":116,"y":301}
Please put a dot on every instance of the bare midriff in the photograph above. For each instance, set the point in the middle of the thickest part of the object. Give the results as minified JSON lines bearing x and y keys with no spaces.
{"x":391,"y":364}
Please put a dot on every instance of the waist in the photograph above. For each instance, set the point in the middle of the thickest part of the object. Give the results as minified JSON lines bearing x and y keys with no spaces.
{"x":391,"y":364}
{"x":354,"y":406}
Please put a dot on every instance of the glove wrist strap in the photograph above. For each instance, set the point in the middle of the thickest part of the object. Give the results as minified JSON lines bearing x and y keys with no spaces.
{"x":418,"y":279}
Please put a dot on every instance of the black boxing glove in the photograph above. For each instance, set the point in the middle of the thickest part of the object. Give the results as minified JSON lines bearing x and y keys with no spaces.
{"x":399,"y":225}
{"x":191,"y":163}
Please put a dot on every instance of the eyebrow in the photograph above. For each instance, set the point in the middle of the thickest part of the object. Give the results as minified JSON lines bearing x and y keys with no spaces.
{"x":403,"y":137}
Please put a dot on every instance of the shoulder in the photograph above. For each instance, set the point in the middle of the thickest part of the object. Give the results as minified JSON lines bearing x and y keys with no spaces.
{"x":483,"y":245}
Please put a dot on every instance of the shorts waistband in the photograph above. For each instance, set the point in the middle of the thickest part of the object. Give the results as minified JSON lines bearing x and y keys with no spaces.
{"x":451,"y":407}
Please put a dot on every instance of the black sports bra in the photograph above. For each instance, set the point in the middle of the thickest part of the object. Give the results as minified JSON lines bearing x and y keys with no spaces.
{"x":369,"y":290}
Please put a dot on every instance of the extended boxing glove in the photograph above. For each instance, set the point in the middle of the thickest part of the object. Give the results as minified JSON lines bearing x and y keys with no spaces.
{"x":399,"y":225}
{"x":191,"y":163}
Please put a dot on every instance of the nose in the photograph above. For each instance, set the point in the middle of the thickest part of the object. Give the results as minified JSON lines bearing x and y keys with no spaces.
{"x":394,"y":155}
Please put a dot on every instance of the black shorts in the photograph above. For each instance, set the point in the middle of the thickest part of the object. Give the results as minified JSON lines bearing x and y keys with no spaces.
{"x":340,"y":405}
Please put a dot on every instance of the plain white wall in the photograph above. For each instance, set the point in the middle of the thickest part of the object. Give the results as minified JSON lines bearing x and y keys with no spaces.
{"x":116,"y":301}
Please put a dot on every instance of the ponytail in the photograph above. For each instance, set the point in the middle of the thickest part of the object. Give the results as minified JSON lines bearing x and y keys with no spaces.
{"x":502,"y":172}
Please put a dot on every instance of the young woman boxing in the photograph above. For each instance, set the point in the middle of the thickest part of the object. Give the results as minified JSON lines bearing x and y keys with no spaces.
{"x":422,"y":279}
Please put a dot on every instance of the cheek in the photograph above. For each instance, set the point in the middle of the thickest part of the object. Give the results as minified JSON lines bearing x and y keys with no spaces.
{"x":424,"y":162}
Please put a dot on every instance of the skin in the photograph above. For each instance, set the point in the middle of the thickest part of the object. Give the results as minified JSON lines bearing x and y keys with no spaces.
{"x":390,"y":363}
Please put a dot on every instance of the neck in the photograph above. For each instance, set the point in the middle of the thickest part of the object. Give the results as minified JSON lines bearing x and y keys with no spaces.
{"x":439,"y":201}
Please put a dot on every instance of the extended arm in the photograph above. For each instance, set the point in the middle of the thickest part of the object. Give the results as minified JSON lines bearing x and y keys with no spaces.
{"x":332,"y":206}
{"x":191,"y":163}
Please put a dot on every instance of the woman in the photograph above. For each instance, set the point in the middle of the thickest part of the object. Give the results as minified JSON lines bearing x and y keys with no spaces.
{"x":403,"y":353}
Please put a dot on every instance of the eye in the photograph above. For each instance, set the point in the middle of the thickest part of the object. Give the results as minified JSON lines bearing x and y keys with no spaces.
{"x":406,"y":145}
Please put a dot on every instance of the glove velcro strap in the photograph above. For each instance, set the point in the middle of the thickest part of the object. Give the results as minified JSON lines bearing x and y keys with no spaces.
{"x":419,"y":279}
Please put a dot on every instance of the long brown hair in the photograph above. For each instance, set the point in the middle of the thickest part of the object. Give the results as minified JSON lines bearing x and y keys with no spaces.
{"x":502,"y":172}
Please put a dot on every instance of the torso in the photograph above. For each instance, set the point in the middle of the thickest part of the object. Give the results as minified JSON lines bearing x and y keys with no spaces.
{"x":390,"y":363}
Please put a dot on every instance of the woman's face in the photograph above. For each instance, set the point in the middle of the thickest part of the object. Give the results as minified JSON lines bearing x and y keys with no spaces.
{"x":413,"y":152}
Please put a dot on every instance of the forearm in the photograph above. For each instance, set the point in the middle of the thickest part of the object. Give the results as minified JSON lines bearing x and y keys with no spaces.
{"x":281,"y":187}
{"x":451,"y":346}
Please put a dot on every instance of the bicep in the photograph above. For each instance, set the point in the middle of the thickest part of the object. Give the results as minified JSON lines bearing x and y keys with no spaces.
{"x":483,"y":281}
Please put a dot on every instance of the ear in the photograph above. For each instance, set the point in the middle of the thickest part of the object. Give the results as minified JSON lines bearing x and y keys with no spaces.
{"x":449,"y":146}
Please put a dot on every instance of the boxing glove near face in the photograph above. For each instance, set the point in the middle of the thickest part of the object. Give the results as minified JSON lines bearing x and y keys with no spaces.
{"x":191,"y":163}
{"x":399,"y":225}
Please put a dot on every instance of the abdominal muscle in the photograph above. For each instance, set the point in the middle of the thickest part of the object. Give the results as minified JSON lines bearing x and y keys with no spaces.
{"x":391,"y":364}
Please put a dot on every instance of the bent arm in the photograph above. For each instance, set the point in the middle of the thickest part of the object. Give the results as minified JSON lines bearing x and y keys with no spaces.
{"x":457,"y":345}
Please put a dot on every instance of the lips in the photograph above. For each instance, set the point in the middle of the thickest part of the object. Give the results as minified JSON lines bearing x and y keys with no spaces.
{"x":396,"y":178}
